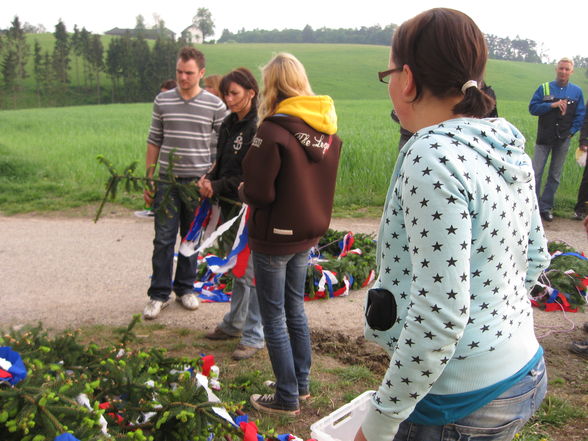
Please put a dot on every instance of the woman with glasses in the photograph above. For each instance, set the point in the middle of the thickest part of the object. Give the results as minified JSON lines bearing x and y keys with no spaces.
{"x":460,"y":246}
{"x":289,"y":183}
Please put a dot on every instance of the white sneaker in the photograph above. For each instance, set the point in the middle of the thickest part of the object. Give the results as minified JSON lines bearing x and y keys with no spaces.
{"x":188,"y":301}
{"x":153,"y":308}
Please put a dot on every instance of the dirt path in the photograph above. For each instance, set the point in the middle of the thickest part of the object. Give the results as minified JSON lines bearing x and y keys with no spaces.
{"x":69,"y":271}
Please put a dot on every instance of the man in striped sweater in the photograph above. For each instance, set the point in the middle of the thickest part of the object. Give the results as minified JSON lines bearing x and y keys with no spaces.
{"x":184,"y":121}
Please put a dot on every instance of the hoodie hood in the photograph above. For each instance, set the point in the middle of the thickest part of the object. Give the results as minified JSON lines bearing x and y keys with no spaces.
{"x":311,"y":120}
{"x":316,"y":111}
{"x":498,"y":142}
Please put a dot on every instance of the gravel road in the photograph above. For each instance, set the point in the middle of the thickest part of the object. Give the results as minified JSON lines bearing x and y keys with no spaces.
{"x":68,"y":272}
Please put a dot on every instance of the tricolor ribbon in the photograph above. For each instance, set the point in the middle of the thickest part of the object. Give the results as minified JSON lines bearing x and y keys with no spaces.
{"x":206,"y":218}
{"x":221,"y":265}
{"x":12,"y":368}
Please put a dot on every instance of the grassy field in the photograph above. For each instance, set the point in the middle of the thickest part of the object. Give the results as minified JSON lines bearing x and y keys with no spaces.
{"x":48,"y":155}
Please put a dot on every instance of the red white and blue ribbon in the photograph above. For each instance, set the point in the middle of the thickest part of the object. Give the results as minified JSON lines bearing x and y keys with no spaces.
{"x":206,"y":219}
{"x":209,"y":288}
{"x":250,"y":431}
{"x":239,"y":254}
{"x":345,"y":245}
{"x":12,"y":368}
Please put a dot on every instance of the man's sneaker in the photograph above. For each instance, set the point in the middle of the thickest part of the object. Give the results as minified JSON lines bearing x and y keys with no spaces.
{"x":580,"y":348}
{"x":578,"y":216}
{"x":144,"y":213}
{"x":546,"y":216}
{"x":219,"y":334}
{"x":188,"y":301}
{"x":268,"y":404}
{"x":272,"y":385}
{"x":243,"y":352}
{"x":154,"y":307}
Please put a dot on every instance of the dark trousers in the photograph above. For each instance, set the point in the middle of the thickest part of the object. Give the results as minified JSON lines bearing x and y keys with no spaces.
{"x":581,"y":207}
{"x":179,"y":216}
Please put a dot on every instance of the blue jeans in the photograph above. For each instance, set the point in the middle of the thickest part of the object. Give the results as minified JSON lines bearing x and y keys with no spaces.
{"x":244,"y":314}
{"x":280,"y":290}
{"x":499,"y":420}
{"x":558,"y":157}
{"x":179,"y":216}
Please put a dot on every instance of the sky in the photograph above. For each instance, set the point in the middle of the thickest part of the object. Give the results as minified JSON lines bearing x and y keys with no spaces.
{"x":559,"y":34}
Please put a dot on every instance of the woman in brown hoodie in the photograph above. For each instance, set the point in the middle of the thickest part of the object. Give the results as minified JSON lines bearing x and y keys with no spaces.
{"x":289,"y":183}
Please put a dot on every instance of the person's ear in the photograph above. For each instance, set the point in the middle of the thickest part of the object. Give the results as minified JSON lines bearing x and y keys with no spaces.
{"x":407,"y":83}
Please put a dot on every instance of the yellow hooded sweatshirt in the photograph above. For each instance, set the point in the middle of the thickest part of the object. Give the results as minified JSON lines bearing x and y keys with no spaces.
{"x":317,"y":111}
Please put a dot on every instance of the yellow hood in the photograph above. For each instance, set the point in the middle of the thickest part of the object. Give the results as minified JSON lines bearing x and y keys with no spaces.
{"x":316,"y":111}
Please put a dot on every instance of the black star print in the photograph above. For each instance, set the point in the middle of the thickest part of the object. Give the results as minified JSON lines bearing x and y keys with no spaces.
{"x":429,"y":335}
{"x":437,"y":278}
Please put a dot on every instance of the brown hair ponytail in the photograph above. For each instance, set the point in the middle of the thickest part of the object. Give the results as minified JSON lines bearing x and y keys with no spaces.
{"x":475,"y":103}
{"x":444,"y":49}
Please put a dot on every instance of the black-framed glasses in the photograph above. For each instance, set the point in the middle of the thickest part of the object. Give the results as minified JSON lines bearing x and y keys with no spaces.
{"x":383,"y":76}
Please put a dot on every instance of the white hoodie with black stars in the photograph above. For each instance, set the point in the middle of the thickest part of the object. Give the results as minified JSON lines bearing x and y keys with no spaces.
{"x":460,"y":245}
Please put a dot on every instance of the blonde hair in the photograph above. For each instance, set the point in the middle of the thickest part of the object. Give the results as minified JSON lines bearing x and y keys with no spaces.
{"x":283,"y":77}
{"x":213,"y":82}
{"x":566,"y":60}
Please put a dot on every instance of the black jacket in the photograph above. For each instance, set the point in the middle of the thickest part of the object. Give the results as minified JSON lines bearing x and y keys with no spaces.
{"x":234,"y":140}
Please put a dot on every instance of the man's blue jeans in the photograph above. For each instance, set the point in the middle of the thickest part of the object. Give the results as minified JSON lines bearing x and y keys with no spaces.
{"x":179,"y":216}
{"x":244,"y":314}
{"x":280,"y":290}
{"x":499,"y":420}
{"x":558,"y":157}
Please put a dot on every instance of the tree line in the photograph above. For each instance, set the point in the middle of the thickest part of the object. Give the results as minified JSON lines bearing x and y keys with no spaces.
{"x":136,"y":69}
{"x":364,"y":35}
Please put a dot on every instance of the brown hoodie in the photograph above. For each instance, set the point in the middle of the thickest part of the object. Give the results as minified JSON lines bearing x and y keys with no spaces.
{"x":289,"y":177}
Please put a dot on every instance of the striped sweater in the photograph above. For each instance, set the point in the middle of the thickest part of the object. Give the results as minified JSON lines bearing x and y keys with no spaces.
{"x":185,"y":127}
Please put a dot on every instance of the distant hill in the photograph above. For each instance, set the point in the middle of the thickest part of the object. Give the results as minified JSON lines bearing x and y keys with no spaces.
{"x":342,"y":71}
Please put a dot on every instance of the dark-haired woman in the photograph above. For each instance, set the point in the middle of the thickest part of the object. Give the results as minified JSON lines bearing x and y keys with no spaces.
{"x":460,"y":246}
{"x":239,"y":90}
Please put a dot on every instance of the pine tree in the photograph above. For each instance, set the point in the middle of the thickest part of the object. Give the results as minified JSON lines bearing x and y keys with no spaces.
{"x":10,"y":74}
{"x":96,"y":60}
{"x":75,"y":45}
{"x":84,"y":46}
{"x":17,"y":44}
{"x":61,"y":54}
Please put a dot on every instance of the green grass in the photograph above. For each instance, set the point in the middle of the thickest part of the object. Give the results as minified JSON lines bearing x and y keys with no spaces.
{"x":553,"y":413}
{"x":48,"y":156}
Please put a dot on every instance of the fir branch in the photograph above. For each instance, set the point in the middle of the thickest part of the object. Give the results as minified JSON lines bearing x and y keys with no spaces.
{"x":188,"y":192}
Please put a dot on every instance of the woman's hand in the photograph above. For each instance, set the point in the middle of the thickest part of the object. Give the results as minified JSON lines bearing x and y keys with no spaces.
{"x":205,"y":187}
{"x":359,"y":436}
